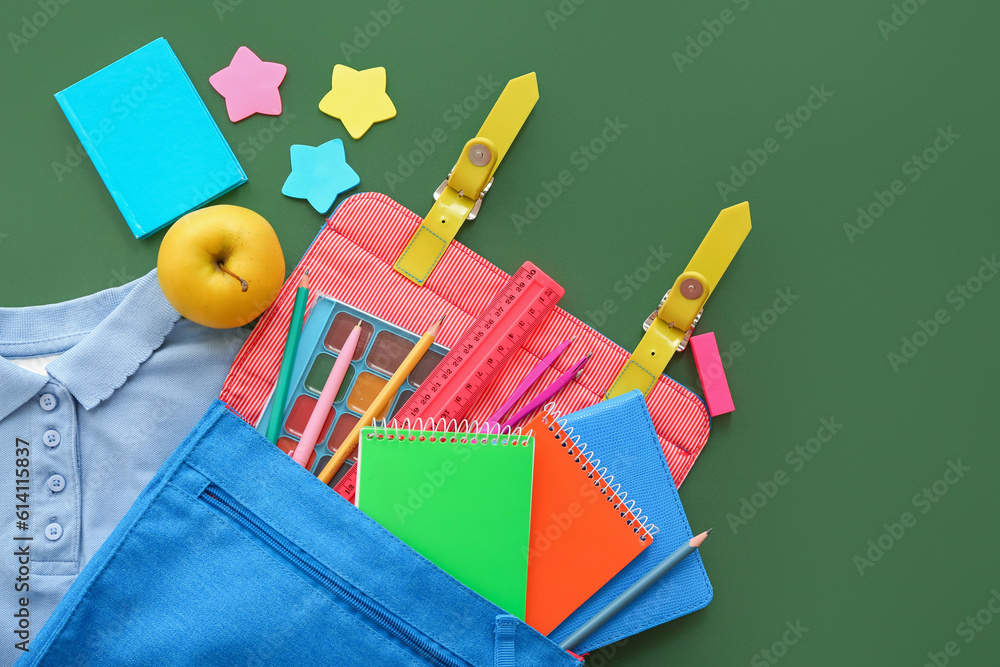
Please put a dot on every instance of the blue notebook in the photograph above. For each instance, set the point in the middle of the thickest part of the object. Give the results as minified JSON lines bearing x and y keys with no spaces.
{"x":620,"y":433}
{"x":151,"y":138}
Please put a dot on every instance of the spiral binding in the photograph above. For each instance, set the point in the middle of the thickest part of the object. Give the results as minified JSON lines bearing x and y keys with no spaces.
{"x":592,"y":468}
{"x":442,"y":430}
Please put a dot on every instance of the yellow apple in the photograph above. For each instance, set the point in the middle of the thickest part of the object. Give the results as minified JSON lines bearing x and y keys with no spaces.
{"x":221,"y":266}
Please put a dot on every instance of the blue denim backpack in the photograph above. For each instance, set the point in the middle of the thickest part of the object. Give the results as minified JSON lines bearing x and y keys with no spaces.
{"x":236,"y":555}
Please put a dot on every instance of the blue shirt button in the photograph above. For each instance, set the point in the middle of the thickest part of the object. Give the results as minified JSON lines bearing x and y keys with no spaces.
{"x":48,"y":402}
{"x":51,"y":438}
{"x":56,"y":483}
{"x":53,"y":531}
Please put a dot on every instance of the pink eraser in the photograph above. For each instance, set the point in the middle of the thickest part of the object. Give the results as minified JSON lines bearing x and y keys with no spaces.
{"x":712,"y":375}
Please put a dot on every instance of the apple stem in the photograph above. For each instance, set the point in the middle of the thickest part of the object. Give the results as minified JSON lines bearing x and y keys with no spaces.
{"x":243,"y":283}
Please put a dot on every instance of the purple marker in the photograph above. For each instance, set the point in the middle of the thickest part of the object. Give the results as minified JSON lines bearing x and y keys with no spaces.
{"x":529,"y":380}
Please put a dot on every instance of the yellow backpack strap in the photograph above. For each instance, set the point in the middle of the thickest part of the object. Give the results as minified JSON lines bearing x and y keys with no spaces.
{"x":459,"y":197}
{"x":668,"y":329}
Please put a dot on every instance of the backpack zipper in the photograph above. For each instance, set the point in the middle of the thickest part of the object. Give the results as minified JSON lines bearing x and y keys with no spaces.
{"x":377,"y":614}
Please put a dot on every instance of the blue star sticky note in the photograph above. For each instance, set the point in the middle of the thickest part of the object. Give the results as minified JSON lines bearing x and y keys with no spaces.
{"x":319,"y":174}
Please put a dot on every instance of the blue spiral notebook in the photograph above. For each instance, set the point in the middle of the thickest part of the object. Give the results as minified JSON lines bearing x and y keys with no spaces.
{"x":620,"y":433}
{"x":151,"y":138}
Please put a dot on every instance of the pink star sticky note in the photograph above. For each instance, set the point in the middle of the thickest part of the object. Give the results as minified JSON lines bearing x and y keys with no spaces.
{"x":250,"y":85}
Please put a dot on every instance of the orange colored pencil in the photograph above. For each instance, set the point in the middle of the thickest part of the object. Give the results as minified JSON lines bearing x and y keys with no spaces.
{"x":381,"y":402}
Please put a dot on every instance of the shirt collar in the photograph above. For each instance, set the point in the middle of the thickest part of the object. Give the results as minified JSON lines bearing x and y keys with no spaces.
{"x":104,"y":338}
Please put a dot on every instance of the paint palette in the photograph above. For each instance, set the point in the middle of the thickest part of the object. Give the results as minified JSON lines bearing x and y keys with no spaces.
{"x":381,"y":348}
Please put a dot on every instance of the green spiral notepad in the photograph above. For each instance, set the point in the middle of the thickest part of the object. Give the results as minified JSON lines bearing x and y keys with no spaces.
{"x":461,"y":500}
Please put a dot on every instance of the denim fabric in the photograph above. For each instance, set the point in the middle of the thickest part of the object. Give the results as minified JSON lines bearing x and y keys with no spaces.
{"x":83,"y":438}
{"x":236,"y":555}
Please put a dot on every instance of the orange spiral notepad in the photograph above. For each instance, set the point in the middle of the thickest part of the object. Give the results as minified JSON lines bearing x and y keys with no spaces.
{"x":584,"y":529}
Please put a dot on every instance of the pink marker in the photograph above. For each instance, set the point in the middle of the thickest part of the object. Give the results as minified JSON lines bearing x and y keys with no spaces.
{"x":326,"y":397}
{"x":545,"y":395}
{"x":712,"y":376}
{"x":529,"y":380}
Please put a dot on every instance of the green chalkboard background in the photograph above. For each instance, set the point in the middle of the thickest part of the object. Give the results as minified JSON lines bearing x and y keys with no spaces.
{"x":848,"y":96}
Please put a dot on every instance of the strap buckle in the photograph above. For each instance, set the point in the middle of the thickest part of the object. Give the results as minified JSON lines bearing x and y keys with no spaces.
{"x":687,"y":336}
{"x":460,"y":196}
{"x":479,"y":201}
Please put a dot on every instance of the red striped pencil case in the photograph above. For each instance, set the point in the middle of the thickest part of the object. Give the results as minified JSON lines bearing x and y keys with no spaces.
{"x":351,"y":261}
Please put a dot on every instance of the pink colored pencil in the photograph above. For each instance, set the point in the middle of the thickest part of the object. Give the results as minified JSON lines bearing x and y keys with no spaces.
{"x":326,"y":398}
{"x":529,"y":380}
{"x":546,"y":394}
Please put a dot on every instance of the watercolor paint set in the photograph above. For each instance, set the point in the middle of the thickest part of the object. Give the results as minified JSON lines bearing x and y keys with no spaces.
{"x":381,"y":348}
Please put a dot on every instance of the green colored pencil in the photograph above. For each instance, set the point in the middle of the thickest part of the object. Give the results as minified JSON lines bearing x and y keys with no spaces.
{"x":288,"y":360}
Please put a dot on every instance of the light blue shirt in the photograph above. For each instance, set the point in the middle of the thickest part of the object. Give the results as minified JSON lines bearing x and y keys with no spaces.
{"x":80,"y":442}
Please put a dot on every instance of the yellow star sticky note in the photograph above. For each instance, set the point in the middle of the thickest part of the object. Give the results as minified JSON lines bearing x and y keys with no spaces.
{"x":358,"y":99}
